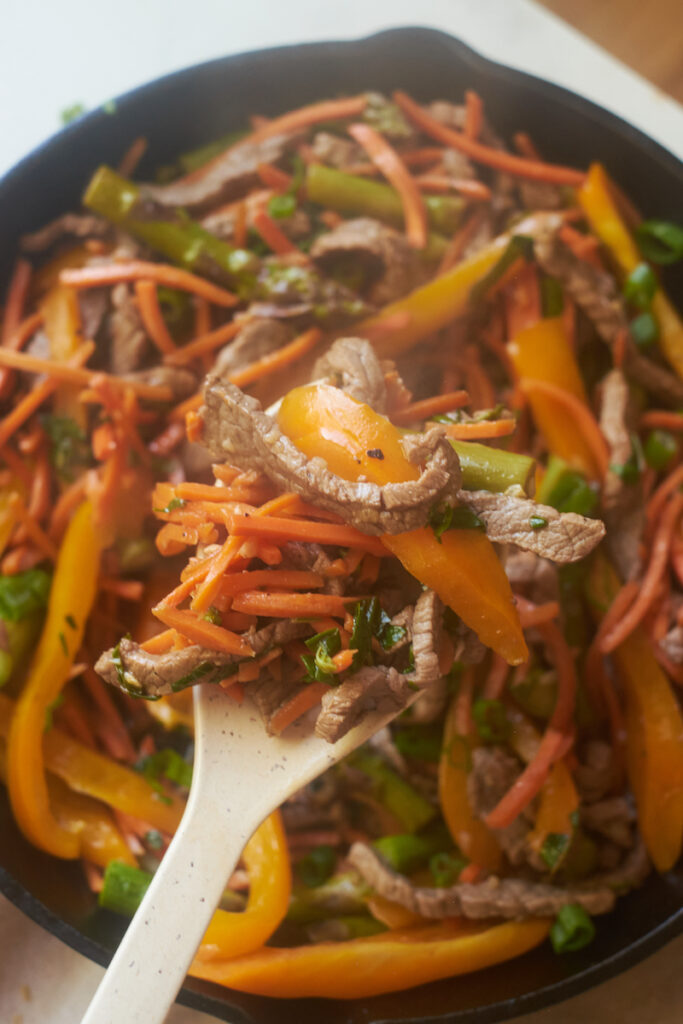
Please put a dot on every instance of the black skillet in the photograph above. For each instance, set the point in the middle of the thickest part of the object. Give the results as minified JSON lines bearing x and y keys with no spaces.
{"x":192,"y":107}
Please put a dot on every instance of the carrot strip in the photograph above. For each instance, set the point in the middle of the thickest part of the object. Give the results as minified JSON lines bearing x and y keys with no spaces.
{"x":204,"y":344}
{"x":429,"y":407}
{"x":25,"y":408}
{"x":531,"y":614}
{"x":463,"y":704}
{"x":112,"y":732}
{"x":659,"y":419}
{"x":31,"y":527}
{"x":272,"y":235}
{"x":66,"y":503}
{"x":277,"y":360}
{"x":11,"y":323}
{"x":304,"y":117}
{"x":654,"y":575}
{"x":129,"y":590}
{"x":482,"y":429}
{"x":199,"y":631}
{"x":152,"y":319}
{"x":281,"y":529}
{"x":297,"y":706}
{"x":385,"y":157}
{"x":160,"y":642}
{"x":525,"y":146}
{"x":661,"y":495}
{"x":474,"y":114}
{"x":279,"y":605}
{"x":273,"y":177}
{"x":136,"y":270}
{"x":468,"y":187}
{"x":132,"y":157}
{"x":580,"y":415}
{"x":554,"y":741}
{"x":494,"y":684}
{"x":16,"y":465}
{"x":500,"y":160}
{"x":292,"y":579}
{"x":460,"y":241}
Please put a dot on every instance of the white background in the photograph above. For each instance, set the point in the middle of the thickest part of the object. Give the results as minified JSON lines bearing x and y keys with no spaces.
{"x":54,"y":53}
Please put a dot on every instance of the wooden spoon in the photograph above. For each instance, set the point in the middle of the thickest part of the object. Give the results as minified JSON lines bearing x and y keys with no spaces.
{"x":241,"y":774}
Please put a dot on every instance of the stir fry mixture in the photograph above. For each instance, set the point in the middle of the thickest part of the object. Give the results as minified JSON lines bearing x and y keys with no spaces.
{"x":357,"y":404}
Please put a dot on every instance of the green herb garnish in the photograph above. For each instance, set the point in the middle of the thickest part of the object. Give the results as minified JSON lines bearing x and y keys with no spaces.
{"x":660,"y":241}
{"x":490,"y":720}
{"x":572,"y":929}
{"x":24,"y":594}
{"x":317,"y":866}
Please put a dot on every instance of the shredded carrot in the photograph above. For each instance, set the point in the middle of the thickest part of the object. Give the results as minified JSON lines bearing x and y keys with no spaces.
{"x":474,"y":114}
{"x":137,"y":270}
{"x":278,"y":604}
{"x":468,"y":187}
{"x":460,"y":240}
{"x":297,"y":706}
{"x":659,"y":498}
{"x":188,"y":405}
{"x":26,"y":406}
{"x":14,"y":334}
{"x":282,"y":530}
{"x":585,"y":247}
{"x":129,"y":590}
{"x":16,"y":465}
{"x":660,"y":419}
{"x":494,"y":684}
{"x":160,"y":642}
{"x":531,"y":614}
{"x":169,"y":439}
{"x":580,"y":415}
{"x":291,"y":579}
{"x":469,"y":874}
{"x":463,"y":704}
{"x":429,"y":407}
{"x":593,"y":664}
{"x":277,"y":360}
{"x":618,"y":348}
{"x":482,"y":429}
{"x":498,"y":159}
{"x":654,"y":574}
{"x":525,"y":146}
{"x":66,"y":503}
{"x":132,"y":157}
{"x":344,"y":659}
{"x":389,"y":323}
{"x":272,"y":235}
{"x":273,"y":177}
{"x":304,"y":117}
{"x":109,"y":725}
{"x":199,"y":631}
{"x":204,"y":344}
{"x":385,"y":157}
{"x":31,"y":526}
{"x":152,"y":318}
{"x":555,"y":739}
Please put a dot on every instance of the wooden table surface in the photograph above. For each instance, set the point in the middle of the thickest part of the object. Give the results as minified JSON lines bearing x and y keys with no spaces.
{"x":648,"y":36}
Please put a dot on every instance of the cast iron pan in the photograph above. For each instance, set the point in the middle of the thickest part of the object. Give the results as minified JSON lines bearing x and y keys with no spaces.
{"x":192,"y":107}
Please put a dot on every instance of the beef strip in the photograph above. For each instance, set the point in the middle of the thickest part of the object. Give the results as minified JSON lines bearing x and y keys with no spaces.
{"x":541,"y":195}
{"x":493,"y":773}
{"x":314,"y":558}
{"x":352,"y":365}
{"x":129,"y":345}
{"x":336,"y":151}
{"x":315,"y":806}
{"x":594,"y":776}
{"x":622,"y":501}
{"x":69,"y":225}
{"x":431,"y":704}
{"x":256,"y":339}
{"x":93,"y":306}
{"x":426,"y":637}
{"x":373,"y":688}
{"x":389,"y":265}
{"x":508,"y":898}
{"x":533,"y":574}
{"x":612,"y":818}
{"x":157,"y":675}
{"x":291,"y":287}
{"x":270,"y":694}
{"x":595,"y":292}
{"x":672,"y":644}
{"x":236,"y":430}
{"x":566,"y":537}
{"x":226,"y":177}
{"x":182,"y":382}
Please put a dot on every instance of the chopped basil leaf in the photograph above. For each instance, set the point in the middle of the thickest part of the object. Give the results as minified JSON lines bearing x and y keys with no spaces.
{"x":572,"y":929}
{"x":640,"y":286}
{"x":167,"y":764}
{"x":554,"y":848}
{"x":443,"y":518}
{"x":644,"y":330}
{"x":320,"y":666}
{"x":446,"y":868}
{"x":24,"y":594}
{"x":660,"y":241}
{"x":173,"y":504}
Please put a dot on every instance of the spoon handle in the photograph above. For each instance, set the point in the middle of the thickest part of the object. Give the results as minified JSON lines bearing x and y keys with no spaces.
{"x":154,"y":955}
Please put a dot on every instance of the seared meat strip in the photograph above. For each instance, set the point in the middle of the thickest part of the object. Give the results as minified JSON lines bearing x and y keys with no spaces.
{"x":566,"y":537}
{"x":538,"y":575}
{"x":182,"y":382}
{"x":130,"y":667}
{"x":612,"y":818}
{"x":227,"y":176}
{"x":623,"y":507}
{"x":426,"y":636}
{"x":388,"y":264}
{"x":69,"y":225}
{"x":352,"y":365}
{"x":493,"y":773}
{"x":257,"y":338}
{"x":129,"y":344}
{"x":337,"y":151}
{"x":509,"y":898}
{"x":238,"y":431}
{"x":373,"y":688}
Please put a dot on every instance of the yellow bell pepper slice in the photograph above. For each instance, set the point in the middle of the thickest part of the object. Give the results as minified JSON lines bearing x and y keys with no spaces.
{"x":62,"y":325}
{"x":605,"y":220}
{"x":462,"y":567}
{"x":71,"y":597}
{"x":388,"y":962}
{"x":654,"y":731}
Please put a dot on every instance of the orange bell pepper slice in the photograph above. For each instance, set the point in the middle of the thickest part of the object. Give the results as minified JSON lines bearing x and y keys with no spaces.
{"x":558,"y":805}
{"x":388,"y":962}
{"x":462,"y":567}
{"x":654,"y":731}
{"x":71,"y":596}
{"x":605,"y":220}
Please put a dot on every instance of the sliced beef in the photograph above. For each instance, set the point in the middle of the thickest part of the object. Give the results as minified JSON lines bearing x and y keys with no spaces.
{"x":270,"y":694}
{"x":541,"y":195}
{"x":508,"y":898}
{"x":622,"y":501}
{"x":182,"y":382}
{"x":314,"y":558}
{"x":316,"y":806}
{"x":93,"y":306}
{"x":431,"y":703}
{"x":457,"y":165}
{"x":336,"y":151}
{"x":69,"y":226}
{"x":374,"y":688}
{"x":595,"y":774}
{"x":452,"y":115}
{"x":566,"y":537}
{"x":426,"y":637}
{"x":612,"y":818}
{"x":135,"y":670}
{"x":352,"y":365}
{"x":223,"y":221}
{"x":228,"y":176}
{"x":238,"y":431}
{"x":672,"y":644}
{"x":595,"y":292}
{"x":532,"y":574}
{"x":257,"y":338}
{"x":290,"y":287}
{"x":129,"y":344}
{"x":493,"y":773}
{"x":387,"y":264}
